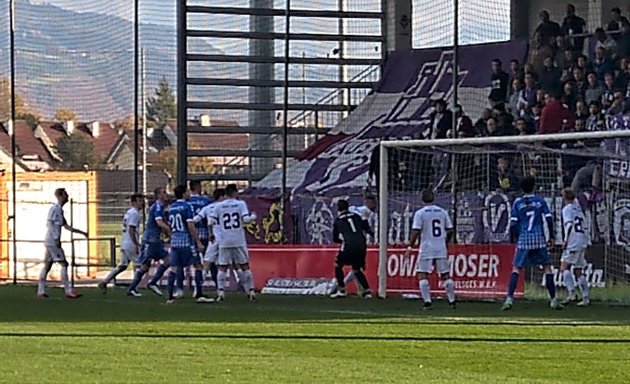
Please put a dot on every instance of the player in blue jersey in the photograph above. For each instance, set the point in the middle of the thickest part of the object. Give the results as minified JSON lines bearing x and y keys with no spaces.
{"x":152,"y":247}
{"x":198,"y":202}
{"x":529,"y":214}
{"x":183,"y":240}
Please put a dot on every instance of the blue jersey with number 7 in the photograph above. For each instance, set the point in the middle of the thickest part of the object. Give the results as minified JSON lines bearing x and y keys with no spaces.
{"x":529,"y":214}
{"x":180,"y":214}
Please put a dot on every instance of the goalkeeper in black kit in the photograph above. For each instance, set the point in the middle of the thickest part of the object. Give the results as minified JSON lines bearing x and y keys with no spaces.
{"x":349,"y":231}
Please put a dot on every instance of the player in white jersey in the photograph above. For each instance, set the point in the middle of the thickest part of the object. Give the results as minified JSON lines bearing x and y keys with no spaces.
{"x":576,"y":240}
{"x":229,"y":216}
{"x":130,"y":247}
{"x":433,"y":226}
{"x":54,"y":252}
{"x":211,"y":255}
{"x":367,"y":212}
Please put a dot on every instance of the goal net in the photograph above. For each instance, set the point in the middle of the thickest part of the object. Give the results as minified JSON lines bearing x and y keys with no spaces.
{"x":476,"y":180}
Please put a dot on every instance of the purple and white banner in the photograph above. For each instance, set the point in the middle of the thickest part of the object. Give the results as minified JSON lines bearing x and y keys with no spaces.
{"x":399,"y":108}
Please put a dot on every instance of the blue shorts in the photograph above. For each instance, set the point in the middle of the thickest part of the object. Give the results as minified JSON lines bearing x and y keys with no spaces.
{"x":528,"y":257}
{"x":152,"y":251}
{"x":184,"y":257}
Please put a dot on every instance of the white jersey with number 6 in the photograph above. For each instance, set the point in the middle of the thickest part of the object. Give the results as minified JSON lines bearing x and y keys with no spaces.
{"x":131,"y":219}
{"x":228,"y":217}
{"x":573,"y":217}
{"x":433,"y":222}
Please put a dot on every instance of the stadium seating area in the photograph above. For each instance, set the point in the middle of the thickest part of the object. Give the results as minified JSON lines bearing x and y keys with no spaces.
{"x":568,"y":83}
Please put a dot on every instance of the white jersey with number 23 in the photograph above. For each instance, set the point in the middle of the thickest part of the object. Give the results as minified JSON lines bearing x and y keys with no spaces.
{"x":228,"y":218}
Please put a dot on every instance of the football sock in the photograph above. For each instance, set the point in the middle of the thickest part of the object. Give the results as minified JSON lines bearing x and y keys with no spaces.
{"x":172,"y":276}
{"x":584,"y":286}
{"x":199,"y":282}
{"x":64,"y":279}
{"x":180,"y":279}
{"x":512,"y":286}
{"x":137,"y":277}
{"x":569,"y":281}
{"x":41,"y":285}
{"x":213,"y":273}
{"x":449,"y":286}
{"x":248,"y":280}
{"x":221,"y":275}
{"x":339,"y":275}
{"x":362,"y":280}
{"x":158,"y":274}
{"x":349,"y":277}
{"x":239,"y":275}
{"x":425,"y":290}
{"x":113,"y":273}
{"x":551,"y":287}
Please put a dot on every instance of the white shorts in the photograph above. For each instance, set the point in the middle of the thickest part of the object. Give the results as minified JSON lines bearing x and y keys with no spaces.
{"x":128,"y":256}
{"x":426,"y":265}
{"x":212,"y":253}
{"x":229,"y":256}
{"x":54,"y":254}
{"x":576,"y":258}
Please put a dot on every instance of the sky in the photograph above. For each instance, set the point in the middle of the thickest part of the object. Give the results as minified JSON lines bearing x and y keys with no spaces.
{"x":480,"y":20}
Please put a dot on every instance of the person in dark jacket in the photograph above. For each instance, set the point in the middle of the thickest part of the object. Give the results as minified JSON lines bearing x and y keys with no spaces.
{"x":547,"y":28}
{"x":499,"y":83}
{"x":574,"y":25}
{"x":441,"y":121}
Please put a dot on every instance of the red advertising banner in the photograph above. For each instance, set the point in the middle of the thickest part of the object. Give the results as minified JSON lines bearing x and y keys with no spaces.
{"x":479,"y":271}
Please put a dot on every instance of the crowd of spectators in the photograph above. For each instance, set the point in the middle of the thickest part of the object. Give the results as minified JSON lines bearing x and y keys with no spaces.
{"x":569,"y":83}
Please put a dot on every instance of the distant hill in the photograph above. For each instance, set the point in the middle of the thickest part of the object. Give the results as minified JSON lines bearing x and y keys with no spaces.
{"x":84,"y":61}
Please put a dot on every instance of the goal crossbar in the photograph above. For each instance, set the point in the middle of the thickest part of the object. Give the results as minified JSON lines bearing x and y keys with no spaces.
{"x":383,"y":173}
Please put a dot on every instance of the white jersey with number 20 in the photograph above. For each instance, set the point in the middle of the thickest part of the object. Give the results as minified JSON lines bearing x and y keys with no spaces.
{"x":229,"y":217}
{"x":433,"y":222}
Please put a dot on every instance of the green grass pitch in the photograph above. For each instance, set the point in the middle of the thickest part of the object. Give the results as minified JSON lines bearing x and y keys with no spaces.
{"x":117,"y":339}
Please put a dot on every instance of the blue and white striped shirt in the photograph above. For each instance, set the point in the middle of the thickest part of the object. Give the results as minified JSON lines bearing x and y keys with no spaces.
{"x":180,"y":213}
{"x":529,"y":214}
{"x":198,"y":202}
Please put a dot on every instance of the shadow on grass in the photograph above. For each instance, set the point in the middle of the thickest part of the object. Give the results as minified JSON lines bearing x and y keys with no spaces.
{"x":317,"y":337}
{"x":19,"y":305}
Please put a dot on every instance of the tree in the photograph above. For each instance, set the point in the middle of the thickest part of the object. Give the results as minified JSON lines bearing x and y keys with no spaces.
{"x":64,"y":114}
{"x":124,"y":123}
{"x":5,"y":103}
{"x":162,"y":106}
{"x":76,"y":152}
{"x":168,"y":163}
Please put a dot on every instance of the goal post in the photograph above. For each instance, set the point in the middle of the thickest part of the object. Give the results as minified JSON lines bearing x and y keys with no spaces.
{"x":472,"y":181}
